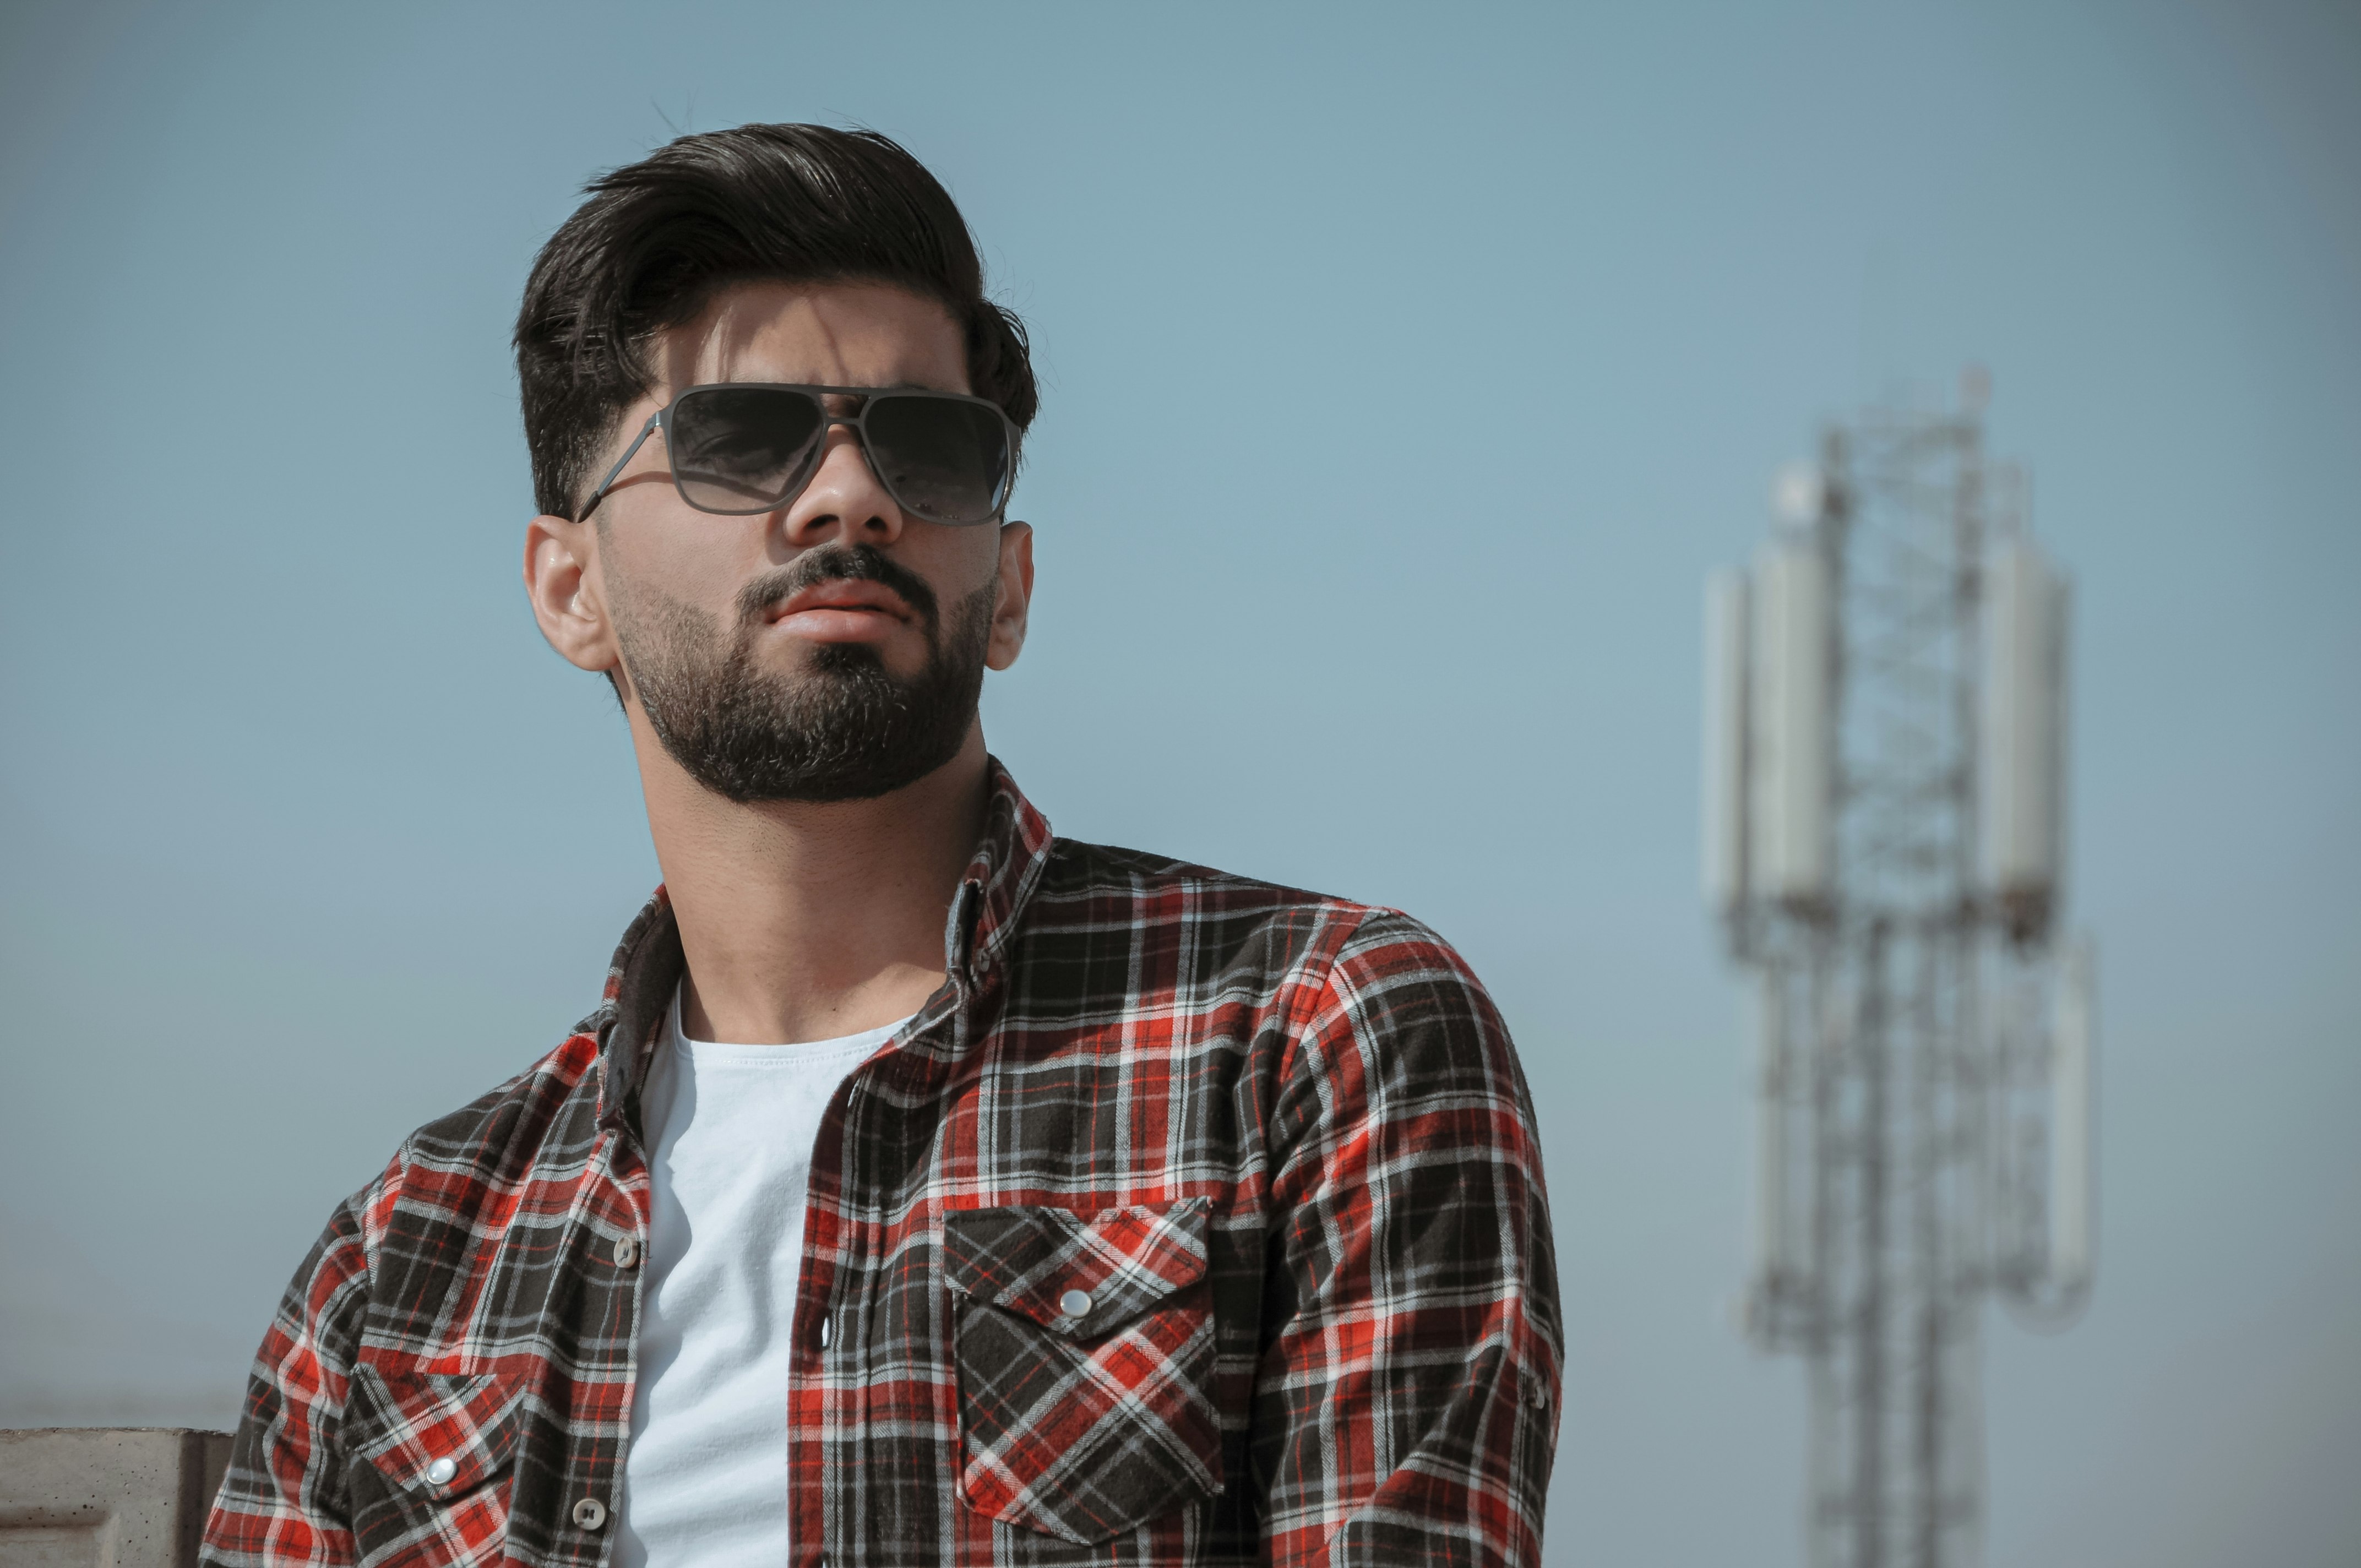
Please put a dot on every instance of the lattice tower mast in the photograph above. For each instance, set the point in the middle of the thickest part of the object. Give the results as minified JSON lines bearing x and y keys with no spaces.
{"x":1885,"y":828}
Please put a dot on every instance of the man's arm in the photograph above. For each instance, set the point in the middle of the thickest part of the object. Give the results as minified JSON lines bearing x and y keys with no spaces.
{"x":1406,"y":1405}
{"x":282,"y":1501}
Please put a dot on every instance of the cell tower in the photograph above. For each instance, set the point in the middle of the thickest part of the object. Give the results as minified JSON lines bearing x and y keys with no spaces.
{"x":1885,"y":828}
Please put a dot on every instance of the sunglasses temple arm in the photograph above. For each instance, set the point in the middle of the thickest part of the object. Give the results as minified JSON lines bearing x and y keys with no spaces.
{"x":599,"y":492}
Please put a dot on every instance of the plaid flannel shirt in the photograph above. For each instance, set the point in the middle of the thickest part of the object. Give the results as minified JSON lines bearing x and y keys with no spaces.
{"x":1192,"y":1221}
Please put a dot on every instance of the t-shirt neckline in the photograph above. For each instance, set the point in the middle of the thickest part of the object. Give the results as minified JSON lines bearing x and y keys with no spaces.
{"x":797,"y":1053}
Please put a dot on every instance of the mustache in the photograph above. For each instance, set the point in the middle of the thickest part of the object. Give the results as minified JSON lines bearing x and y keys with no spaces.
{"x":835,"y":563}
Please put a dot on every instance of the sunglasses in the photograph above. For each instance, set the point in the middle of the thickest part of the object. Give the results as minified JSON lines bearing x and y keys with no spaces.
{"x":747,"y":446}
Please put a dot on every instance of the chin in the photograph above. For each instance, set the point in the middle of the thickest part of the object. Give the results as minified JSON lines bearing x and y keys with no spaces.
{"x":847,"y":658}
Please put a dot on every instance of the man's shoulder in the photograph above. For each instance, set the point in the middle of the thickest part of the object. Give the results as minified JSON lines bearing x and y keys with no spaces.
{"x":1373,"y":1006}
{"x":1078,"y":872}
{"x":539,"y":1125}
{"x":1087,"y":885}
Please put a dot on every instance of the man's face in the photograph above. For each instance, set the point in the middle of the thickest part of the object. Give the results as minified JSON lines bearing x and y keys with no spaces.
{"x":831,"y":649}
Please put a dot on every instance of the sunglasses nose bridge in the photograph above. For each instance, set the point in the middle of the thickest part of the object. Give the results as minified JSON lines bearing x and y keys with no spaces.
{"x":816,"y":475}
{"x":829,"y":422}
{"x":831,"y":416}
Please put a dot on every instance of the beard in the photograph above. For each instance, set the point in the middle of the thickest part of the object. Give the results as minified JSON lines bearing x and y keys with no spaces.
{"x":845,"y":729}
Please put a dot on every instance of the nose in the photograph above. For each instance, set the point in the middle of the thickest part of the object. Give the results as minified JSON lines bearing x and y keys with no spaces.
{"x":844,"y":503}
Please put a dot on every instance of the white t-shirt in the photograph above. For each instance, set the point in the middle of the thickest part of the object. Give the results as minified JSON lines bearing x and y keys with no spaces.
{"x":730,"y":1144}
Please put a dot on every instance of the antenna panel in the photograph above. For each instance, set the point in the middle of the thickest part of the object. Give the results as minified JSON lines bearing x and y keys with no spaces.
{"x":1725,"y":744}
{"x":1794,"y":725}
{"x":2025,"y":736}
{"x":2069,"y":1126}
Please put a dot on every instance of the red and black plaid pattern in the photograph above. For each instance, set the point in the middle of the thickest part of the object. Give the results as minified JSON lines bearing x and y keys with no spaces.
{"x":1085,"y":1356}
{"x":437,"y":1443}
{"x":1193,"y":1220}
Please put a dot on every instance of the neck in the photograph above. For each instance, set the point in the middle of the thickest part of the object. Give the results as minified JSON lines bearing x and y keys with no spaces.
{"x":806,"y":921}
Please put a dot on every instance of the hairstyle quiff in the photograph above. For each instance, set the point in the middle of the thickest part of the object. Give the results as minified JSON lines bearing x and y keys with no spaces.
{"x":657,"y":238}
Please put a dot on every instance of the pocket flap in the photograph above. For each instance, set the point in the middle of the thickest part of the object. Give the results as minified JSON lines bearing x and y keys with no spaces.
{"x":1035,"y":1260}
{"x":408,"y":1422}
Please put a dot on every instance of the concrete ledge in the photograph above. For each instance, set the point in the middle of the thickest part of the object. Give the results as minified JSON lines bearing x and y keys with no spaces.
{"x":106,"y":1496}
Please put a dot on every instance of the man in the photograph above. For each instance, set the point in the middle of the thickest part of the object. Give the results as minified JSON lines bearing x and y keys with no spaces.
{"x":928,"y":1189}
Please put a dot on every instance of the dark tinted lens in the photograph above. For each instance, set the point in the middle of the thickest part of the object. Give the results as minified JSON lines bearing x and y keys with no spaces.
{"x":944,"y":459}
{"x":742,"y":448}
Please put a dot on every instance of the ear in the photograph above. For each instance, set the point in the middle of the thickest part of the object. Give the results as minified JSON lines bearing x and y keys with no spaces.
{"x":562,"y":578}
{"x":1015,"y":597}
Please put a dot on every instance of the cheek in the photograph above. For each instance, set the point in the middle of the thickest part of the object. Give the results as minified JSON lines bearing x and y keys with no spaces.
{"x":959,"y":565}
{"x":684,"y":564}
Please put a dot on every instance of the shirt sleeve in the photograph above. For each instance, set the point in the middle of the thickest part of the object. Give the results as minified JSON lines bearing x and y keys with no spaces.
{"x":283,"y":1500}
{"x":1406,"y":1403}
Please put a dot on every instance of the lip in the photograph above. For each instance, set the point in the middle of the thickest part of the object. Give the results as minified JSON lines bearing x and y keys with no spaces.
{"x":843,"y":594}
{"x":843,"y":610}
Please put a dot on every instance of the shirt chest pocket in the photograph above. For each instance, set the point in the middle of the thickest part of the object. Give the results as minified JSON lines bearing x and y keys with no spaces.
{"x":429,"y":1452}
{"x":1085,"y":1355}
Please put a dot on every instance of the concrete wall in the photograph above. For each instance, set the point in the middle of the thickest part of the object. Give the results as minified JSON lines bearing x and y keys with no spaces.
{"x":106,"y":1496}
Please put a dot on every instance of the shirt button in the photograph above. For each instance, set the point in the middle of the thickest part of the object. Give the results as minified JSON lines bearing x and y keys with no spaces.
{"x":441,"y":1470}
{"x":590,"y":1513}
{"x":825,"y":1336}
{"x":1074,"y":1303}
{"x":627,"y":1252}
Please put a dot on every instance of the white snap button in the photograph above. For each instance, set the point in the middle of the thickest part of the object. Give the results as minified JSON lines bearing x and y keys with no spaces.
{"x":627,"y":1252}
{"x":825,"y":1336}
{"x":441,"y":1470}
{"x":1074,"y":1303}
{"x":590,"y":1513}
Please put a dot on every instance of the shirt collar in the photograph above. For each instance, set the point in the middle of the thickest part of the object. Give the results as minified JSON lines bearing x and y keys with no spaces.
{"x":648,"y":963}
{"x":1007,"y":865}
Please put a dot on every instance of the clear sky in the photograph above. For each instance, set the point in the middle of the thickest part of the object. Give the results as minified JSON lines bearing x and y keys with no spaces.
{"x":1405,"y":372}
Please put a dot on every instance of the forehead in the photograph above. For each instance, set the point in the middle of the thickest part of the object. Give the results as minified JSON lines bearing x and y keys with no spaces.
{"x":833,"y":334}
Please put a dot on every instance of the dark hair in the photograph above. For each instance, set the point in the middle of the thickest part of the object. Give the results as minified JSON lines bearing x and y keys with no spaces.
{"x":800,"y":204}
